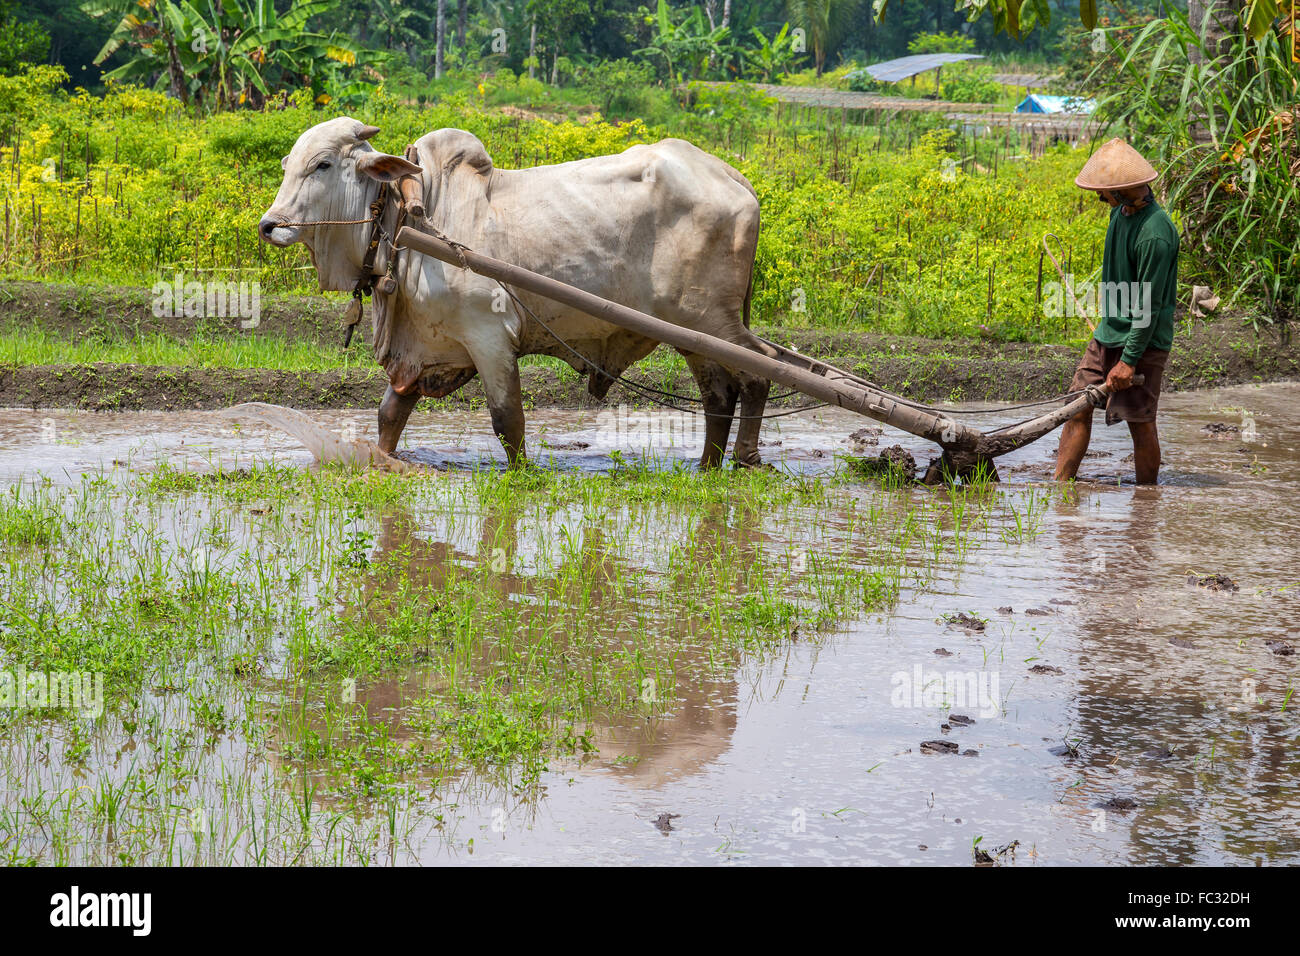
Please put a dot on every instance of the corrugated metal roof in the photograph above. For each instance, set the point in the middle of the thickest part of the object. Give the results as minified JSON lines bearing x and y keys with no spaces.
{"x":1044,"y":103}
{"x":891,"y":71}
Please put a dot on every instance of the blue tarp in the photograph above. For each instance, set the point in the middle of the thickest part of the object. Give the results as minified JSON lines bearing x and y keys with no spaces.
{"x":1042,"y":103}
{"x":892,"y":71}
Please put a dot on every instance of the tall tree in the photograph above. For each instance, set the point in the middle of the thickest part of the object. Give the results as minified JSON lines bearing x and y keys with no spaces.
{"x":441,"y":32}
{"x":532,"y":49}
{"x":824,"y":21}
{"x":21,"y":41}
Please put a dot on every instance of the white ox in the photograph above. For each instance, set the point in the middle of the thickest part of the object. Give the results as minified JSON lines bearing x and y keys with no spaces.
{"x":664,"y":228}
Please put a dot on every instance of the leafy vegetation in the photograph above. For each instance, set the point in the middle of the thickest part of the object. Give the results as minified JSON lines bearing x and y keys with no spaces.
{"x":1223,"y":128}
{"x":236,"y":52}
{"x":873,"y":226}
{"x":869,"y":222}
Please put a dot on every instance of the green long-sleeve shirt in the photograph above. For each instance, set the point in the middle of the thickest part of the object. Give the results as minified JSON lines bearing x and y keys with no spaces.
{"x":1139,"y":273}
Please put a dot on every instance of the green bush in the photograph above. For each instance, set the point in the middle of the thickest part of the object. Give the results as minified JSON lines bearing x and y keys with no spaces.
{"x":860,"y":81}
{"x":622,"y":87}
{"x":970,"y":84}
{"x":941,"y":43}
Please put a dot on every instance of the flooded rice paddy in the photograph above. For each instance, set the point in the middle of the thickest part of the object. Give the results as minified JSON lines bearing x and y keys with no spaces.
{"x":615,"y":659}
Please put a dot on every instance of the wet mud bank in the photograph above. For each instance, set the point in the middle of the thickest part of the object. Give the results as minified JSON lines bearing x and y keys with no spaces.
{"x":1221,"y":353}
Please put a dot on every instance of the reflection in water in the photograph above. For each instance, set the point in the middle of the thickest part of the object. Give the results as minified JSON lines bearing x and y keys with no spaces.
{"x":668,"y":739}
{"x":793,"y":752}
{"x":1181,"y":703}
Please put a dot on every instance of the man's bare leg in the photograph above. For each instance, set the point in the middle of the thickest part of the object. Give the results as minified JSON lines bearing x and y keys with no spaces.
{"x":1146,"y":451}
{"x":1075,"y":435}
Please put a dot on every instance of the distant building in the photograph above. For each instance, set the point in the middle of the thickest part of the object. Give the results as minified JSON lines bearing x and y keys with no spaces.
{"x":895,"y":71}
{"x":1042,"y":103}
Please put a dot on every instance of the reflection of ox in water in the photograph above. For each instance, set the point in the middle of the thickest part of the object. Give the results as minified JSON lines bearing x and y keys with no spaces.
{"x":643,"y":743}
{"x":664,"y":228}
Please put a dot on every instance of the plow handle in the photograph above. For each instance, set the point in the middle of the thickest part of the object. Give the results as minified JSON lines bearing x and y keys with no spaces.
{"x":1104,"y":390}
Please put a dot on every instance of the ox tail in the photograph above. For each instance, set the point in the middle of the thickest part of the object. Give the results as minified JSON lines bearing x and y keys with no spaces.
{"x":749,"y":299}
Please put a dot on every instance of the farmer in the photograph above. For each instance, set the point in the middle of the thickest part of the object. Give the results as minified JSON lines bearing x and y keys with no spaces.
{"x":1139,"y":270}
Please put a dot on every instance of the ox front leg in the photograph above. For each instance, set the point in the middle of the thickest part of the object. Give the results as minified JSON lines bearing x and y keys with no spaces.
{"x":394,"y":412}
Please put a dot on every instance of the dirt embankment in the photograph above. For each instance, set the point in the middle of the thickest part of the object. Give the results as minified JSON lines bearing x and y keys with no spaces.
{"x":1223,"y":352}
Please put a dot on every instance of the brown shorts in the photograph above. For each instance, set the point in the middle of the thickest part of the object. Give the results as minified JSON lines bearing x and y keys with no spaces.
{"x":1137,"y":403}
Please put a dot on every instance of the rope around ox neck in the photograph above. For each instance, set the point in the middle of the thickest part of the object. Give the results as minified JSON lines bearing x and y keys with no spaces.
{"x":325,"y":222}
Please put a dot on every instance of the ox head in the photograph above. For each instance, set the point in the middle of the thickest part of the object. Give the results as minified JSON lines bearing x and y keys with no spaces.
{"x":331,"y":174}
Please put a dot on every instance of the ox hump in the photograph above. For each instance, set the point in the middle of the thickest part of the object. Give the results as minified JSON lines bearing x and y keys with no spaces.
{"x":450,"y":149}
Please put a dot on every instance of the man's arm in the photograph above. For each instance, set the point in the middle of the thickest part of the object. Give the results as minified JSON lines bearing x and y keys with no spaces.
{"x":1157,"y":265}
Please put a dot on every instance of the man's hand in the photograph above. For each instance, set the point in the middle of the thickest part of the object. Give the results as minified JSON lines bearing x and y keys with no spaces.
{"x":1120,"y":377}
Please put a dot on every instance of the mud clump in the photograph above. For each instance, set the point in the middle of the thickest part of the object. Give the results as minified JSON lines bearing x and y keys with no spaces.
{"x":1181,"y":642}
{"x":1118,"y":804}
{"x":943,"y":652}
{"x":894,"y":462}
{"x":1045,"y":669}
{"x":1213,"y":582}
{"x":1221,"y":429}
{"x":938,"y":747}
{"x":990,"y":858}
{"x":963,"y":620}
{"x":870,"y":435}
{"x":664,"y":822}
{"x":1280,"y":648}
{"x":960,"y":720}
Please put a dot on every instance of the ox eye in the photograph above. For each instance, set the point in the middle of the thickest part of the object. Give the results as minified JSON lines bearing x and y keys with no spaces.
{"x":322,"y":165}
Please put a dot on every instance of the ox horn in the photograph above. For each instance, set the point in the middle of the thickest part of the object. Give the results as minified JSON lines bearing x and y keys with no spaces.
{"x":365,"y":132}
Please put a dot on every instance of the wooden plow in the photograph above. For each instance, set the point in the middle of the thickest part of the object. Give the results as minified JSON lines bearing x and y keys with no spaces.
{"x":967,"y":452}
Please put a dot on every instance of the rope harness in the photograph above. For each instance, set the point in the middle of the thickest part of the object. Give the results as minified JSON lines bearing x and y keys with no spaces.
{"x":367,"y":280}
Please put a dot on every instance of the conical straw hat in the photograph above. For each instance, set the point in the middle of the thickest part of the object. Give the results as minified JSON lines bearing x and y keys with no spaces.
{"x":1116,"y":165}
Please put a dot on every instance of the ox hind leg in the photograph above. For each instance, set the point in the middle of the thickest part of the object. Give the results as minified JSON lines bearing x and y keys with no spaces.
{"x":499,"y":370}
{"x":394,"y":412}
{"x":753,"y":400}
{"x":719,"y":390}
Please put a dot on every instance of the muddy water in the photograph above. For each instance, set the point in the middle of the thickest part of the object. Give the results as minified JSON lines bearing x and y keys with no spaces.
{"x":1167,"y":736}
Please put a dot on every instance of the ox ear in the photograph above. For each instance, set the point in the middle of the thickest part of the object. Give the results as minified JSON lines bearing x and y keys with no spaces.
{"x":385,"y":168}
